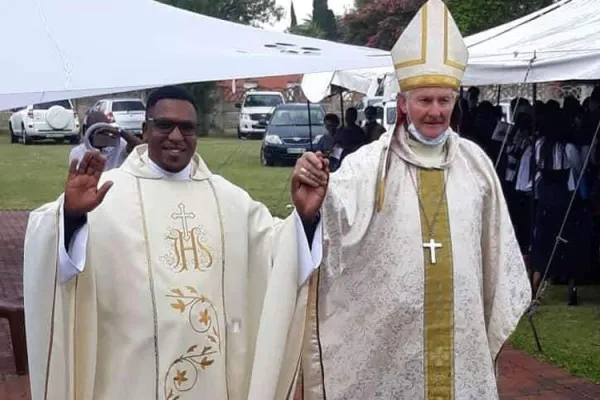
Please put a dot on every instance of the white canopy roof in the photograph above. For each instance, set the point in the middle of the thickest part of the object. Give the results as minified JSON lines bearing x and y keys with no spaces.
{"x":563,"y":38}
{"x":71,"y":48}
{"x":318,"y":86}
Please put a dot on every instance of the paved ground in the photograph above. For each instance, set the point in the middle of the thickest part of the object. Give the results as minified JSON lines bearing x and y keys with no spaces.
{"x":521,"y":377}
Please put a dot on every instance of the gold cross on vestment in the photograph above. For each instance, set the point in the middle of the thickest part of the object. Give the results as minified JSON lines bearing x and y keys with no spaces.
{"x":432,"y":245}
{"x":183,"y":216}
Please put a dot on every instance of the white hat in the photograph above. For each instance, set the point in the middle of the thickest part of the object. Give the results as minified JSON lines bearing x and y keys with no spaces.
{"x":431,"y":51}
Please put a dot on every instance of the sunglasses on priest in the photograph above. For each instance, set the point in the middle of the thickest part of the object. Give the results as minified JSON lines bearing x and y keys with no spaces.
{"x":165,"y":126}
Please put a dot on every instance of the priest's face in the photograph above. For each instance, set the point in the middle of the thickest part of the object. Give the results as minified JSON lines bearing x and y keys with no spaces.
{"x":429,"y":109}
{"x":170,"y":132}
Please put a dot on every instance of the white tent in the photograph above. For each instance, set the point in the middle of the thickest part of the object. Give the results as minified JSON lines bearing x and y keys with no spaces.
{"x":318,"y":86}
{"x":57,"y":49}
{"x":560,"y":42}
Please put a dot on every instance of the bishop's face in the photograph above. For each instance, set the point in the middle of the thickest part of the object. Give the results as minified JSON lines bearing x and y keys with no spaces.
{"x":429,"y":109}
{"x":170,"y":132}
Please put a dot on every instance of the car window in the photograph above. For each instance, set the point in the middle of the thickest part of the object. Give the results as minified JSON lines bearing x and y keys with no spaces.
{"x":263,"y":100}
{"x":128,"y":106}
{"x":102,"y":106}
{"x":297,"y":116}
{"x":45,"y":106}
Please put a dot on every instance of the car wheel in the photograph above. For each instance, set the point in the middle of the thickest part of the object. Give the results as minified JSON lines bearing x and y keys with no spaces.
{"x":26,"y":140}
{"x":13,"y":138}
{"x":264,"y":161}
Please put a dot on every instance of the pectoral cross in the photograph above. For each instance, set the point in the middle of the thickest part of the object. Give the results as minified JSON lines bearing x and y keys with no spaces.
{"x":432,"y":245}
{"x":183,"y":216}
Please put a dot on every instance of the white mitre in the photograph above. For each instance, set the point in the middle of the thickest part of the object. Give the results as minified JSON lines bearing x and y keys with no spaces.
{"x":431,"y":51}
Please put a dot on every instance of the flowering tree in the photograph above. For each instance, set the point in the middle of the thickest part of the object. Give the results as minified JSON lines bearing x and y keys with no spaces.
{"x":379,"y":23}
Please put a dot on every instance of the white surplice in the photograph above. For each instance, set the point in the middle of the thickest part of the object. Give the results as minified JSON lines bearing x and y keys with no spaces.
{"x":178,"y":288}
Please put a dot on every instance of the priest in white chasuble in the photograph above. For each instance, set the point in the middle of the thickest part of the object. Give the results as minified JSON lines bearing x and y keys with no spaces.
{"x":159,"y":280}
{"x":422,"y":280}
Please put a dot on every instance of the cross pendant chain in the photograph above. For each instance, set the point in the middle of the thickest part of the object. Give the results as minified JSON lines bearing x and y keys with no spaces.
{"x":432,"y":245}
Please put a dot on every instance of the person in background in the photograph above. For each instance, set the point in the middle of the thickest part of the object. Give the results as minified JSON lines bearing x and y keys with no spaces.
{"x":373,"y":129}
{"x":351,"y":137}
{"x":112,"y":142}
{"x":327,"y":144}
{"x":559,"y":164}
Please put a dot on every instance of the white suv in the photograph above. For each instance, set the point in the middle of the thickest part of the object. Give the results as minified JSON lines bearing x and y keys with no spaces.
{"x":255,"y":111}
{"x":55,"y":120}
{"x":127,"y":114}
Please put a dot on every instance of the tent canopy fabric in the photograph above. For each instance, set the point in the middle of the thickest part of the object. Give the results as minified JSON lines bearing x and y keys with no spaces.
{"x":318,"y":86}
{"x":557,"y":43}
{"x":71,"y":48}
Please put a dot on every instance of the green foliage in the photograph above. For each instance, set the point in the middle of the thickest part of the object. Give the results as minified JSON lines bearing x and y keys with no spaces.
{"x":325,"y":19}
{"x":249,"y":12}
{"x":379,"y":23}
{"x":473,"y":16}
{"x":308,"y":28}
{"x":294,"y":22}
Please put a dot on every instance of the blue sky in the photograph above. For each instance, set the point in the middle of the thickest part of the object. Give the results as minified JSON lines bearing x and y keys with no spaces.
{"x":304,"y":8}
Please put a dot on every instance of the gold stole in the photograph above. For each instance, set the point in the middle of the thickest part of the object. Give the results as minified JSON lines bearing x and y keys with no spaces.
{"x":438,"y":317}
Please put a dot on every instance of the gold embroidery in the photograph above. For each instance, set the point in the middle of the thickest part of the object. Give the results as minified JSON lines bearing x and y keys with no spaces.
{"x":186,"y":249}
{"x":183,"y":373}
{"x":151,"y":284}
{"x":201,"y":312}
{"x":423,"y":58}
{"x":439,"y":293}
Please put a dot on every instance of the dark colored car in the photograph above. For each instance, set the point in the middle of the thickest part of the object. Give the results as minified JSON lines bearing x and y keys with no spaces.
{"x":289,"y":133}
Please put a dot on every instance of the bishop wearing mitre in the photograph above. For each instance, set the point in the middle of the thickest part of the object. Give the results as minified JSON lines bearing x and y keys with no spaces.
{"x":422,"y":280}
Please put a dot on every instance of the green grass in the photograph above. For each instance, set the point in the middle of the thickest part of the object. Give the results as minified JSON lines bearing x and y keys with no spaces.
{"x":33,"y":175}
{"x":570,"y":336}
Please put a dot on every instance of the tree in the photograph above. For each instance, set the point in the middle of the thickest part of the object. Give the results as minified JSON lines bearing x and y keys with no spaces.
{"x":473,"y":16}
{"x":325,"y":19}
{"x":308,"y":28}
{"x":379,"y":23}
{"x":294,"y":22}
{"x":249,"y":12}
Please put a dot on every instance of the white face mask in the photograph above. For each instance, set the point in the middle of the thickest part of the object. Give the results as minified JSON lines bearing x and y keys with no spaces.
{"x":427,"y":141}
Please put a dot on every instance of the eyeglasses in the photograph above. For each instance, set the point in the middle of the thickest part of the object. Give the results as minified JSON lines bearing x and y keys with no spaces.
{"x":165,"y":126}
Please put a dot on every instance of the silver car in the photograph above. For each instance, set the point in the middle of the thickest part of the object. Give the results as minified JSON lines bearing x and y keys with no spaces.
{"x":127,"y":114}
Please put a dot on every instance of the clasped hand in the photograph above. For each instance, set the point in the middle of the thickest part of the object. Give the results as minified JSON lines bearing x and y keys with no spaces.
{"x":309,"y":184}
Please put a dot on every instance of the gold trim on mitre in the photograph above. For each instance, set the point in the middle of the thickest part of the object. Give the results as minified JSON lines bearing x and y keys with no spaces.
{"x":423,"y":81}
{"x":431,"y":51}
{"x":423,"y":59}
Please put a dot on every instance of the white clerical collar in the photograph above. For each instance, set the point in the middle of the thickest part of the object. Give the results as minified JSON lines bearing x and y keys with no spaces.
{"x":183,"y":175}
{"x":430,"y":156}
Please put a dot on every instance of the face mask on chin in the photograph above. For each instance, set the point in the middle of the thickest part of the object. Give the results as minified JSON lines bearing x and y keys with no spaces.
{"x":427,"y":141}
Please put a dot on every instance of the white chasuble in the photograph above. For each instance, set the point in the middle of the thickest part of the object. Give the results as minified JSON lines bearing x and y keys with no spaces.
{"x":387,"y":319}
{"x":175,"y":286}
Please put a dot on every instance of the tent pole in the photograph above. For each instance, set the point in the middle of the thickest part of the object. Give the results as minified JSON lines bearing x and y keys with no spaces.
{"x":342,"y":107}
{"x":310,"y":132}
{"x":498,"y":95}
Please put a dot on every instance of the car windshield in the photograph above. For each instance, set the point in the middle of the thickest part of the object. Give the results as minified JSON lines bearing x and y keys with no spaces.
{"x":391,"y":115}
{"x":128,"y":106}
{"x":297,"y":116}
{"x":263,"y":100}
{"x":45,"y":106}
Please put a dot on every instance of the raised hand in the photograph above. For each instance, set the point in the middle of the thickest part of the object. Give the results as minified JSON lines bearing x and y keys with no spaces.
{"x":82,"y":194}
{"x":309,"y":184}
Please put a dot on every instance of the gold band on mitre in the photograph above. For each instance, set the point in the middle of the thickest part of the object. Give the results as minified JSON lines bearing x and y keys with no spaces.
{"x":428,"y":81}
